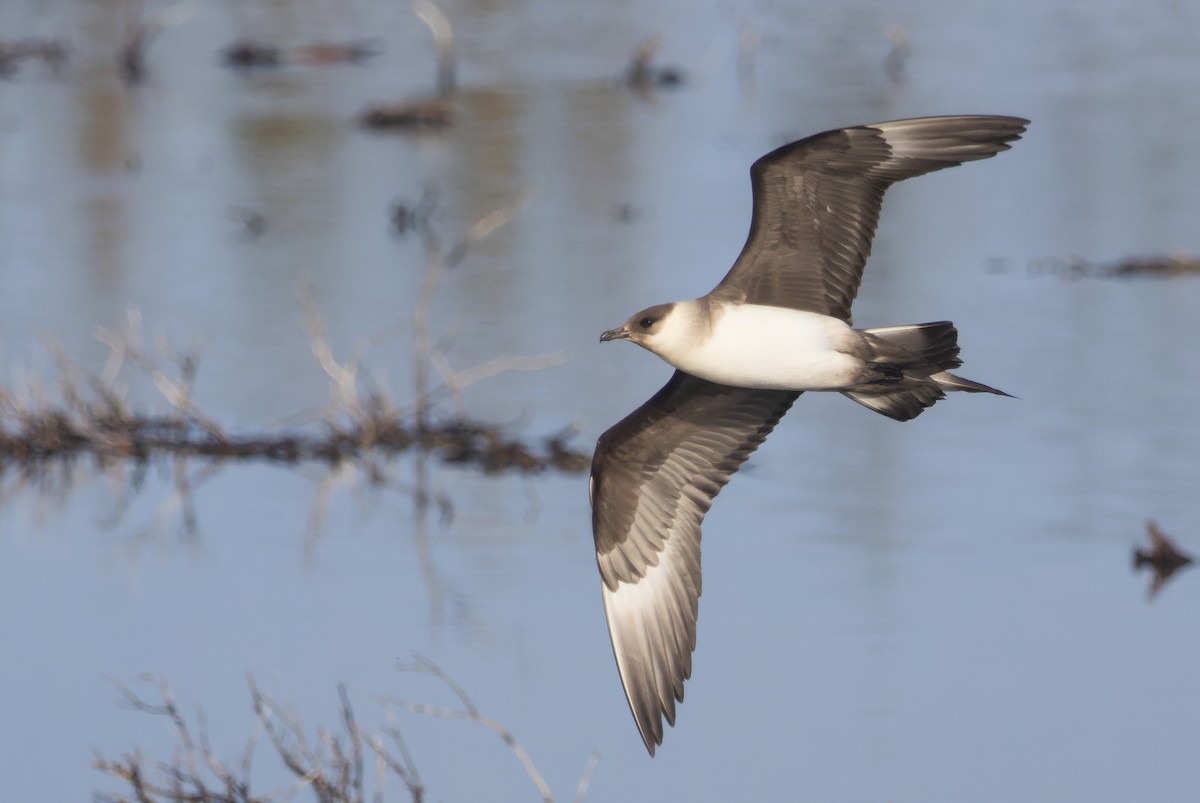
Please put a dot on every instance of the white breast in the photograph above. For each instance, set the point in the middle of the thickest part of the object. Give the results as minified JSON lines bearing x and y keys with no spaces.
{"x":754,"y":346}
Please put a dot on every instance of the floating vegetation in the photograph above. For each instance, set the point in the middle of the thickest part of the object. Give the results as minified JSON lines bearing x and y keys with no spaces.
{"x":88,"y":414}
{"x":84,"y":413}
{"x":90,"y":421}
{"x":138,"y":414}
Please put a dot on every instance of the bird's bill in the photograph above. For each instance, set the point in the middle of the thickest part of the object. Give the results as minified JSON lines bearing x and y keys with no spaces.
{"x":621,"y":333}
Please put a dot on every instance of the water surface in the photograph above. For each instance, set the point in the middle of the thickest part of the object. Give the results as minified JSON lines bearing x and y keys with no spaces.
{"x":938,"y":611}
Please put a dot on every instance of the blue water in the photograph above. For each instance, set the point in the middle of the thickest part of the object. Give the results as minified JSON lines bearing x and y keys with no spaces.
{"x":939,"y":611}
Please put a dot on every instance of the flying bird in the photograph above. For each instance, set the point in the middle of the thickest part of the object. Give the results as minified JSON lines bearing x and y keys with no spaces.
{"x":777,"y":325}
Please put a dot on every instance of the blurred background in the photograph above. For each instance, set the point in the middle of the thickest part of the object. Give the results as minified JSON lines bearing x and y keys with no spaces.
{"x":943,"y":610}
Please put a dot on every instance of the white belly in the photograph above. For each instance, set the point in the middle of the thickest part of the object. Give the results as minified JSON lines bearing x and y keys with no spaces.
{"x":757,"y":346}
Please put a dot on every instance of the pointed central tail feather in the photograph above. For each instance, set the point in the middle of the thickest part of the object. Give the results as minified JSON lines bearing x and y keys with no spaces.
{"x":924,"y":353}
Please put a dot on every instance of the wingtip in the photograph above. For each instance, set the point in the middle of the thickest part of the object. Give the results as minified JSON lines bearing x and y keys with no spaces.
{"x":971,"y":127}
{"x":650,"y":726}
{"x":1018,"y":125}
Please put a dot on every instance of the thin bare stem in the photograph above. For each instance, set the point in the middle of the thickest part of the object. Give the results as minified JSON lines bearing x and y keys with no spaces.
{"x":585,"y":780}
{"x":471,"y":713}
{"x":443,"y":40}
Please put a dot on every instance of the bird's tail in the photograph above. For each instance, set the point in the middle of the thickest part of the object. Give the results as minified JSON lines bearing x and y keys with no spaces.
{"x":924,"y":353}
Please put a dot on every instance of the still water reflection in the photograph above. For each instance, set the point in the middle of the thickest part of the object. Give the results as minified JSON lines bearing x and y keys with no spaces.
{"x":942,"y":610}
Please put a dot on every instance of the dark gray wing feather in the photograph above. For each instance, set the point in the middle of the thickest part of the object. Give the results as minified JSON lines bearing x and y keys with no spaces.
{"x":816,"y":204}
{"x":654,"y":476}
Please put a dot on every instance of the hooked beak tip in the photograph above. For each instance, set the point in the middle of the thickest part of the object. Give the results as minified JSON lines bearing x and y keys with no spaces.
{"x":614,"y":334}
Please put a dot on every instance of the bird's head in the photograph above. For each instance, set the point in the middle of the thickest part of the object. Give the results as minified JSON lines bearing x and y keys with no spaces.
{"x":643,"y":328}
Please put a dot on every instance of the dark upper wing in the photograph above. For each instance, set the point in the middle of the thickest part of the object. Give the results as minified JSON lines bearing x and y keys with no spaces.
{"x":654,"y":477}
{"x":816,"y":204}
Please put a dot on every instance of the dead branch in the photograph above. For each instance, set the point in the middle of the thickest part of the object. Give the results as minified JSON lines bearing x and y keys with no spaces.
{"x":471,"y":713}
{"x":48,"y":427}
{"x":331,"y":765}
{"x":437,"y":263}
{"x":585,"y":780}
{"x":92,"y":415}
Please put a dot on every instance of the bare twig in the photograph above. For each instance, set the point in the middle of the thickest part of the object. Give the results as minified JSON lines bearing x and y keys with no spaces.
{"x":176,"y":390}
{"x":93,"y":415}
{"x":437,"y":263}
{"x":332,"y":765}
{"x":44,"y":430}
{"x":429,"y":114}
{"x":585,"y":780}
{"x":471,"y":713}
{"x":455,"y":382}
{"x":443,"y":39}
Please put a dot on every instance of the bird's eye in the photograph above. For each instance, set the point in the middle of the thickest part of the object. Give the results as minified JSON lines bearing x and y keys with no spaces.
{"x":646,"y":323}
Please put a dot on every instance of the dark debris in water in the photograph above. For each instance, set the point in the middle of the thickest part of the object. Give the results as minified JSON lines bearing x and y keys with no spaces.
{"x":429,"y":115}
{"x":1172,"y":265}
{"x":1163,"y":558}
{"x":487,"y":448}
{"x":87,"y":415}
{"x":30,"y":438}
{"x":1155,"y":266}
{"x":644,"y":75}
{"x":15,"y":52}
{"x":250,"y":54}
